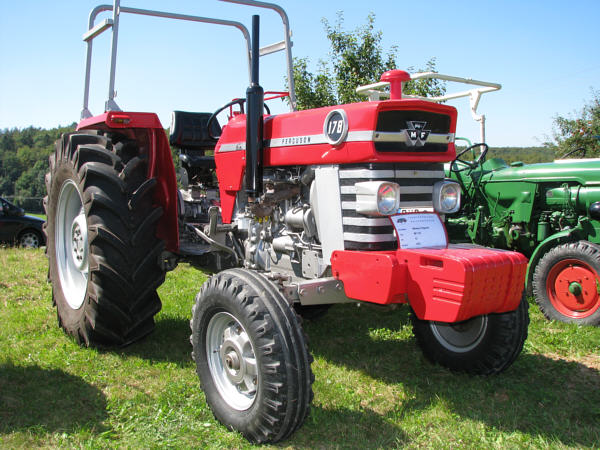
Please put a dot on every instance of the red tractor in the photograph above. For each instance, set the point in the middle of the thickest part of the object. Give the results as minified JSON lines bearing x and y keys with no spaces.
{"x":297,"y":211}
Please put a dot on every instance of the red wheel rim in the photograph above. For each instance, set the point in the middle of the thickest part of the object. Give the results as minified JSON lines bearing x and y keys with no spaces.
{"x":572,"y":288}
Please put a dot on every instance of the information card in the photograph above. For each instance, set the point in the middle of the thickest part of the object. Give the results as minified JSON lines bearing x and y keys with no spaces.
{"x":420,"y":230}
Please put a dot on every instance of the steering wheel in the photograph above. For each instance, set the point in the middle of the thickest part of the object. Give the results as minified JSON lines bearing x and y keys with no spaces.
{"x":581,"y":150}
{"x":470,"y":164}
{"x":237,"y":101}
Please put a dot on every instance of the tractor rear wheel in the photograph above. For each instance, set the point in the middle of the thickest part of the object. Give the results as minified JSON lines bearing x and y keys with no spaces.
{"x":251,"y":356}
{"x":102,"y":250}
{"x":482,"y":345}
{"x":566,"y":283}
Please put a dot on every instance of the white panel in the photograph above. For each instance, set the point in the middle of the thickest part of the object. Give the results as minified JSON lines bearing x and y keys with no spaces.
{"x":328,"y":212}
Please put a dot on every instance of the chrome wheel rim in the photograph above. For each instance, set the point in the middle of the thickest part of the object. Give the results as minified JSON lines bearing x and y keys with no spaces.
{"x":30,"y":240}
{"x":71,"y":244}
{"x":460,"y":337}
{"x":231,"y":361}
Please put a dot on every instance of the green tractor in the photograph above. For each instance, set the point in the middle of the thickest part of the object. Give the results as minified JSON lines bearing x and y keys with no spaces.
{"x":550,"y":212}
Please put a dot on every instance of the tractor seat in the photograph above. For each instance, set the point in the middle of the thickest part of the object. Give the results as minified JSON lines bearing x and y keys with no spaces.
{"x":189,"y":131}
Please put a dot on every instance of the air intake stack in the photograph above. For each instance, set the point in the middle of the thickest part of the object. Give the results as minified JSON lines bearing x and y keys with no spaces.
{"x":254,"y":122}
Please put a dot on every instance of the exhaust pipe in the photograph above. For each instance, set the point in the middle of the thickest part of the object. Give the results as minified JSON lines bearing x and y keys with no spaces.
{"x":254,"y":122}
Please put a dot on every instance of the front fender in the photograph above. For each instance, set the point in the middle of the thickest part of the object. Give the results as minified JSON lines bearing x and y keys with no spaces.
{"x":556,"y":239}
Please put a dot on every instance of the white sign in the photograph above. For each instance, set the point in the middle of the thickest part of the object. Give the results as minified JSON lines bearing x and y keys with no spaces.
{"x":420,"y":230}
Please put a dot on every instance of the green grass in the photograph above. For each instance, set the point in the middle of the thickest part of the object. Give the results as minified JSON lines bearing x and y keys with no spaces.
{"x":373,"y":387}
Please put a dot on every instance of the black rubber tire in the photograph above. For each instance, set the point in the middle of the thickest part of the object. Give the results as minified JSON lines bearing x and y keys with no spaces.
{"x":281,"y":401}
{"x":497,"y":344}
{"x":118,"y":300}
{"x":30,"y":239}
{"x":583,"y":255}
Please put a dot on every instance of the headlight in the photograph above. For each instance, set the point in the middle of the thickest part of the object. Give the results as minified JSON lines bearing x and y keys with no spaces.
{"x":446,"y":197}
{"x":377,"y":198}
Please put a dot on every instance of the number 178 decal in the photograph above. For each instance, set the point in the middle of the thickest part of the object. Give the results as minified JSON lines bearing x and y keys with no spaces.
{"x":335,"y":127}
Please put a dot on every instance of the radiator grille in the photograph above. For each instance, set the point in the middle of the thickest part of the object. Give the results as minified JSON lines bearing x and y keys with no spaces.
{"x":416,"y":182}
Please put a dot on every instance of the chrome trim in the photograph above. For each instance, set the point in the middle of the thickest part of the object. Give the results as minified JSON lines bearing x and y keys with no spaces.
{"x":420,"y":173}
{"x":343,"y":132}
{"x":296,"y":140}
{"x":361,"y":135}
{"x":365,"y":237}
{"x":366,"y":173}
{"x":403,"y":205}
{"x":232,"y":147}
{"x":402,"y":136}
{"x":353,"y":136}
{"x":403,"y":190}
{"x":367,"y":221}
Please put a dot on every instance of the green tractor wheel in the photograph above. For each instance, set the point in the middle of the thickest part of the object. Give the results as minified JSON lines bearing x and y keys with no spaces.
{"x":566,"y":283}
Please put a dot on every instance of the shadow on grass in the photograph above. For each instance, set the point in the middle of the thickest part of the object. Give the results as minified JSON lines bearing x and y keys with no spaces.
{"x":344,"y":428}
{"x":169,"y":342}
{"x":539,"y":396}
{"x":50,"y":399}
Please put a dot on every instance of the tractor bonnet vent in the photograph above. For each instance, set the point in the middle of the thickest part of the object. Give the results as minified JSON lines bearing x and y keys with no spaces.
{"x":412,"y":131}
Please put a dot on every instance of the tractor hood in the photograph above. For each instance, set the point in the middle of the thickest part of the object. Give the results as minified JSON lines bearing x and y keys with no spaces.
{"x":582,"y":171}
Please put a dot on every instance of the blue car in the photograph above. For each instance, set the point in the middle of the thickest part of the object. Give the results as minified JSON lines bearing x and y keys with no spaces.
{"x":18,"y":228}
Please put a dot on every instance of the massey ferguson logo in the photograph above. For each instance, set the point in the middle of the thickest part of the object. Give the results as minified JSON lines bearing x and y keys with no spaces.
{"x":416,"y":133}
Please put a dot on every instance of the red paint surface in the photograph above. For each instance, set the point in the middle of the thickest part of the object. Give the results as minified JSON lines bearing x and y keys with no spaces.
{"x":446,"y":285}
{"x":361,"y":117}
{"x":147,"y":131}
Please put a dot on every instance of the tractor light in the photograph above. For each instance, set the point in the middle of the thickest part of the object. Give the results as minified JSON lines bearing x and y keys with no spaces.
{"x":377,"y":198}
{"x":446,"y":197}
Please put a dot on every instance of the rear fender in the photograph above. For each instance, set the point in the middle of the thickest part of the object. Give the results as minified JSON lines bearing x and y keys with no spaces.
{"x":147,"y":131}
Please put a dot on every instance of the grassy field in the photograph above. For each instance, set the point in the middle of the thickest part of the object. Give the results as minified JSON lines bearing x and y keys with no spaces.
{"x":373,"y":387}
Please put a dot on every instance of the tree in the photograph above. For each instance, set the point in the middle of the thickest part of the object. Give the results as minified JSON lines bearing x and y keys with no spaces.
{"x":356,"y":58}
{"x":579,"y":132}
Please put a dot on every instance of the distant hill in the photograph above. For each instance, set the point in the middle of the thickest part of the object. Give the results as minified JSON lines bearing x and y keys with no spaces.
{"x":528,"y":155}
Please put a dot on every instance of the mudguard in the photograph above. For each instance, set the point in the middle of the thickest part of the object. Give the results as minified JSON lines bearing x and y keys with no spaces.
{"x":147,"y":130}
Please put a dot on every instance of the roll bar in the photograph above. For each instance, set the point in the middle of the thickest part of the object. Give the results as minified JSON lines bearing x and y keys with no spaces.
{"x":375,"y":92}
{"x":95,"y":30}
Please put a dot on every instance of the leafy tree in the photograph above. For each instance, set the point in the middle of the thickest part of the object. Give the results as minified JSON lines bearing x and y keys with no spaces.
{"x":579,"y":132}
{"x":356,"y":58}
{"x":10,"y":170}
{"x":24,"y":162}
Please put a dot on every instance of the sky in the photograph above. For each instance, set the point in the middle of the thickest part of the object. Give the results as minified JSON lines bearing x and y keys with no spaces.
{"x":545,"y":53}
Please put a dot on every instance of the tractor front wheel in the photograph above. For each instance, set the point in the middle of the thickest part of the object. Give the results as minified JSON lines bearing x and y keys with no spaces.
{"x":566,"y":283}
{"x":482,"y":345}
{"x":251,"y":356}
